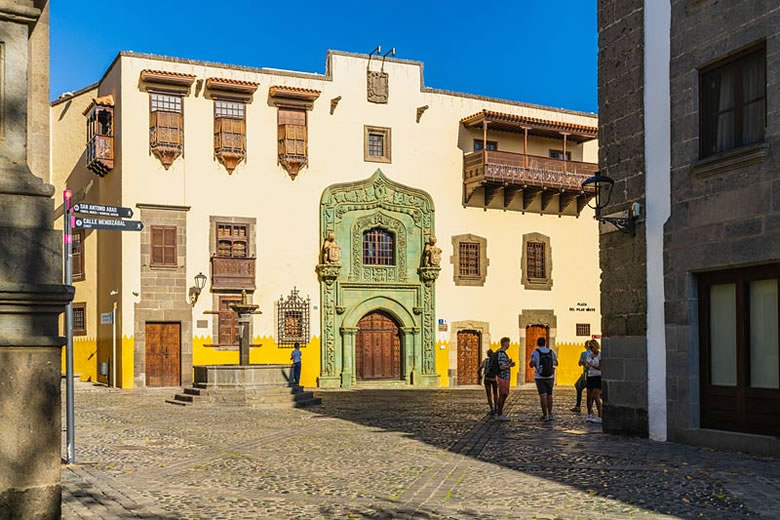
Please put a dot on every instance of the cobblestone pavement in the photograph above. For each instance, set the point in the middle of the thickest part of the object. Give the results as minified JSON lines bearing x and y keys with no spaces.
{"x":374,"y":454}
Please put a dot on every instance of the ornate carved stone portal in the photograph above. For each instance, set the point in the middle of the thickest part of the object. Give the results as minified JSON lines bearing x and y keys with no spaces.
{"x":398,"y":286}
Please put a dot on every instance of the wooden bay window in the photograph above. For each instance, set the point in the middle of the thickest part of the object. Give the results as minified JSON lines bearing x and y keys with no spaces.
{"x":293,"y":137}
{"x":229,"y":132}
{"x":166,"y":127}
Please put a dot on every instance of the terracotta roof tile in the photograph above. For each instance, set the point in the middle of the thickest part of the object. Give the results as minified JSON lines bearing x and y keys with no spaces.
{"x":102,"y":101}
{"x":232,"y":85}
{"x":298,"y":92}
{"x":518,"y":121}
{"x":164,"y":76}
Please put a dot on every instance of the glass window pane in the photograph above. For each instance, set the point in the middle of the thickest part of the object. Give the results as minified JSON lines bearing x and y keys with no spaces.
{"x":764,"y":371}
{"x":723,"y":334}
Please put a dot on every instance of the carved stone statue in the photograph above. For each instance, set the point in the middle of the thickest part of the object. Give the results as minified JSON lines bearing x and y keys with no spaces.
{"x":331,"y":250}
{"x":432,"y":253}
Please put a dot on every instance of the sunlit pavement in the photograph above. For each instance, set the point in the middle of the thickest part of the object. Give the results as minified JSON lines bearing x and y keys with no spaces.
{"x":374,"y":454}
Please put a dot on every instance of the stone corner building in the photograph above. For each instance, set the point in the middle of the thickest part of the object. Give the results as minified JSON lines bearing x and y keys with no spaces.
{"x":31,"y":291}
{"x":689,"y":129}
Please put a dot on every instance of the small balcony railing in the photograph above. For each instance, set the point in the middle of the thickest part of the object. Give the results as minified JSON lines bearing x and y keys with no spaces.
{"x":232,"y":273}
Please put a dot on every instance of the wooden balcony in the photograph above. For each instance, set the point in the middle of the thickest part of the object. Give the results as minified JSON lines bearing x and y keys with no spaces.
{"x":229,"y":141}
{"x":232,"y":273}
{"x":100,"y":154}
{"x":520,"y":182}
{"x":166,"y":136}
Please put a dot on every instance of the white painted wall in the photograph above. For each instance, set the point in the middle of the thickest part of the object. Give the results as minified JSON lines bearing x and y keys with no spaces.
{"x":658,"y":203}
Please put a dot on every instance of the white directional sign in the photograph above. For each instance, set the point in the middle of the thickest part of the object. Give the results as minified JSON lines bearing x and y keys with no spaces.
{"x":102,"y":210}
{"x":107,"y":223}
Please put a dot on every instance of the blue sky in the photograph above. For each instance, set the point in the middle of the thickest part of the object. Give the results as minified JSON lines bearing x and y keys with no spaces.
{"x":536,"y":51}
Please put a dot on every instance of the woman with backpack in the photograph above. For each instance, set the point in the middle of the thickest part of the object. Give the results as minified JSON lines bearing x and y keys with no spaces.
{"x":488,"y":373}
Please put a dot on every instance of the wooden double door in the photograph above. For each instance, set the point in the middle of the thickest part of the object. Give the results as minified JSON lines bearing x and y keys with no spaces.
{"x":532,"y":335}
{"x":377,"y":347}
{"x":163,"y":354}
{"x":469,"y":342}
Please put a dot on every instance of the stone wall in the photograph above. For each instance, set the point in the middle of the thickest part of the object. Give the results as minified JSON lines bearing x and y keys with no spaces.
{"x":623,"y":258}
{"x":726,"y":210}
{"x":163,"y":290}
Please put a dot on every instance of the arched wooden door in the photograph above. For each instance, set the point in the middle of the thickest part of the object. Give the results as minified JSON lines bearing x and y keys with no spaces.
{"x":377,"y":347}
{"x":532,"y":334}
{"x":468,"y":357}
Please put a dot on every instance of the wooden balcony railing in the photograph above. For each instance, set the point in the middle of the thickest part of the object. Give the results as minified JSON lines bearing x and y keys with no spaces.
{"x":232,"y":273}
{"x":528,"y":182}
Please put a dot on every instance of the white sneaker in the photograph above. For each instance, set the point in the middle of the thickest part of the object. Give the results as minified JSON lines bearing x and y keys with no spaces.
{"x":589,"y":418}
{"x":597,"y":420}
{"x":502,"y":418}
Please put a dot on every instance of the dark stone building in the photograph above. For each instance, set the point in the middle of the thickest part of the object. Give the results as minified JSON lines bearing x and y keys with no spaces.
{"x":689,"y":129}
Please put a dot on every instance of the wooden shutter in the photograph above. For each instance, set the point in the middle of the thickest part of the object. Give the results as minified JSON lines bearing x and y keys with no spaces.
{"x":78,"y":255}
{"x":293,"y":133}
{"x":163,"y":250}
{"x":169,"y":255}
{"x":536,"y":267}
{"x":228,"y":322}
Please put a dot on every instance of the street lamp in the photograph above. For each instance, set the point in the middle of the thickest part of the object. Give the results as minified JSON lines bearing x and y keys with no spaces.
{"x":200,"y":283}
{"x":602,"y":186}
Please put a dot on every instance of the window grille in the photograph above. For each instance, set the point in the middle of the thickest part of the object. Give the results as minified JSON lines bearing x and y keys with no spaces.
{"x":378,"y":247}
{"x":293,"y":315}
{"x":536,"y":267}
{"x":583,"y":329}
{"x":491,"y":145}
{"x":468,"y":259}
{"x":232,"y":109}
{"x":232,"y":240}
{"x":376,"y":145}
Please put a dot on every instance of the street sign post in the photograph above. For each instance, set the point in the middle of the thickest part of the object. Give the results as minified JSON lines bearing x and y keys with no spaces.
{"x":96,"y":219}
{"x":102,"y":211}
{"x":107,"y":223}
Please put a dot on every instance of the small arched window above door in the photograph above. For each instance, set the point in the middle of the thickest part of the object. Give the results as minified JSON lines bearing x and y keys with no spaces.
{"x":378,"y":247}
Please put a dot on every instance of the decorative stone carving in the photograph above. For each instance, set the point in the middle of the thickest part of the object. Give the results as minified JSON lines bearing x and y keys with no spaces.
{"x":328,"y":273}
{"x":428,"y":275}
{"x":378,"y":86}
{"x":432,"y":257}
{"x":378,"y":273}
{"x":331,"y":250}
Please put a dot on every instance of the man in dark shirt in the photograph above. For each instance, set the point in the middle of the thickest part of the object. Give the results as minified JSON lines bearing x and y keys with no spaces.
{"x":504,"y":364}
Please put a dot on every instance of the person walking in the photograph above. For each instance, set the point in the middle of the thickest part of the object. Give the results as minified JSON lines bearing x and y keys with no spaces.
{"x":295,"y":357}
{"x":488,"y":371}
{"x":593,"y":364}
{"x":502,"y":379}
{"x":582,"y":381}
{"x":544,"y":361}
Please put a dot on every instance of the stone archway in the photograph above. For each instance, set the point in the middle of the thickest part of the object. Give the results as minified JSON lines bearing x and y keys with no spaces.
{"x":378,"y":351}
{"x":482,"y":327}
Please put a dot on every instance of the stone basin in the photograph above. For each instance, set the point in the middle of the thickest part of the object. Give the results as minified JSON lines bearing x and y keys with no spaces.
{"x":242,"y":376}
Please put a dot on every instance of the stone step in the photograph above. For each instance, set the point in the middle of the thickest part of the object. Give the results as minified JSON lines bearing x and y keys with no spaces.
{"x":184,"y":397}
{"x":179,"y":403}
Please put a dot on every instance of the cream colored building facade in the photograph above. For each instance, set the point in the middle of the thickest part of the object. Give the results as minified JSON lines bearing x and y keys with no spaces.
{"x":365,"y":145}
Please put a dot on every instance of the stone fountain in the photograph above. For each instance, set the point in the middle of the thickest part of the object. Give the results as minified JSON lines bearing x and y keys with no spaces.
{"x":253,"y":385}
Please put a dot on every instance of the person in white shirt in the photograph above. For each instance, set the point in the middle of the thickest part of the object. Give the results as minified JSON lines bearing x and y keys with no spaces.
{"x":593,"y":364}
{"x":544,"y":361}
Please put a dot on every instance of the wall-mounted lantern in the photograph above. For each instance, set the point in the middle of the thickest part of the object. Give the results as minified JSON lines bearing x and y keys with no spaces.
{"x":603,"y":188}
{"x":200,"y":283}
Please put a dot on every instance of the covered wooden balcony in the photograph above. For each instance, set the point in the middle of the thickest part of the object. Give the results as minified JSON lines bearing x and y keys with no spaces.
{"x":496,"y":179}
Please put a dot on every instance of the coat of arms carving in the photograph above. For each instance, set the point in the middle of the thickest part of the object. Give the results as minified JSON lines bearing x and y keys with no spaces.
{"x":378,"y":87}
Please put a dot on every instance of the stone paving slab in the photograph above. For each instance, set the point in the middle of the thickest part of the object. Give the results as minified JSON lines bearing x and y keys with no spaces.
{"x":373,"y":454}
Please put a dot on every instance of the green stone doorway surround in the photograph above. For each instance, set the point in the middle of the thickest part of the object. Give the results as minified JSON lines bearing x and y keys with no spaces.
{"x":349,"y":289}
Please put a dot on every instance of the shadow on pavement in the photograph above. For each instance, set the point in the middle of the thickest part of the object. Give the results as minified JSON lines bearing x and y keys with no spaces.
{"x":663,"y":478}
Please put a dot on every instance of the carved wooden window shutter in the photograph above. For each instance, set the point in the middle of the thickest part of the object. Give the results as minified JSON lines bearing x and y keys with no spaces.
{"x":228,"y":321}
{"x":293,"y":137}
{"x":293,"y":132}
{"x":163,"y":246}
{"x":229,"y":132}
{"x":166,"y":127}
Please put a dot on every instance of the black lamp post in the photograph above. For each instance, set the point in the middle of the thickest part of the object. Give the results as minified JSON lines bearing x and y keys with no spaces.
{"x":200,"y":283}
{"x":602,"y":186}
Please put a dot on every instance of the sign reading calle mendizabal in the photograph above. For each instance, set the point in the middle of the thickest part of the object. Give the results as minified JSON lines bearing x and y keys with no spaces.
{"x":107,"y":223}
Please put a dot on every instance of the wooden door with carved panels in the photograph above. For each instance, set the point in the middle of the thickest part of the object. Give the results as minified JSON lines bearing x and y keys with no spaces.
{"x":532,"y":335}
{"x":468,"y":357}
{"x":377,"y":348}
{"x":163,"y":354}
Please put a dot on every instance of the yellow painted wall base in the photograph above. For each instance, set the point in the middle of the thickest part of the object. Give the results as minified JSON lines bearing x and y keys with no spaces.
{"x":84,"y":358}
{"x":267,"y":353}
{"x":568,"y":356}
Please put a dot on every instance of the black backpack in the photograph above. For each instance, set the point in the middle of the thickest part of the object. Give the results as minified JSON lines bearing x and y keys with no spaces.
{"x":493,"y":369}
{"x":545,"y":363}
